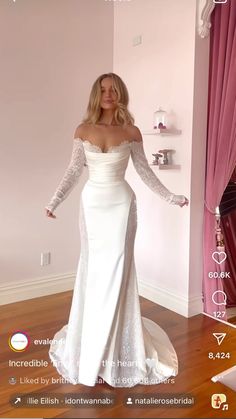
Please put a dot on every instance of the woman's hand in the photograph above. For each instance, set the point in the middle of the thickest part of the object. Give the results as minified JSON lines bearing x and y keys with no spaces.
{"x":50,"y":214}
{"x":186,"y":202}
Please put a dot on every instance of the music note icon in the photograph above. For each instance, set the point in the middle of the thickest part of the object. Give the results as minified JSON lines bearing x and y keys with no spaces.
{"x":218,"y":401}
{"x":225,"y":407}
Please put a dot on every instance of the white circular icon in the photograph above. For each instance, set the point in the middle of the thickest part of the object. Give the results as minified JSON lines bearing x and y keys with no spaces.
{"x":19,"y":341}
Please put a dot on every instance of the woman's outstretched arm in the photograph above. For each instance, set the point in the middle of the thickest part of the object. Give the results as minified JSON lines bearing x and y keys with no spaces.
{"x":149,"y":177}
{"x":71,"y":175}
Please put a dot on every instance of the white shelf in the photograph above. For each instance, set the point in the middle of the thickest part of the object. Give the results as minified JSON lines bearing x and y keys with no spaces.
{"x":166,"y":166}
{"x":160,"y":131}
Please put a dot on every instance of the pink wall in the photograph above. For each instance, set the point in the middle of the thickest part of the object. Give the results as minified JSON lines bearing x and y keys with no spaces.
{"x":51,"y":52}
{"x":162,"y":71}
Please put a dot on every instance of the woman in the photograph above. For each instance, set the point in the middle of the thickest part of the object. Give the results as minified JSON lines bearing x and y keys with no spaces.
{"x":106,"y":336}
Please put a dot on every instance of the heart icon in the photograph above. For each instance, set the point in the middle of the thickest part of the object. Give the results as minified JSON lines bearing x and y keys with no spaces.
{"x":220,"y":259}
{"x":151,"y":362}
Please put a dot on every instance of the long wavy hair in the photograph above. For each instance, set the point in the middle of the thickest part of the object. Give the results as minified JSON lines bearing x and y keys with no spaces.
{"x":122,"y":115}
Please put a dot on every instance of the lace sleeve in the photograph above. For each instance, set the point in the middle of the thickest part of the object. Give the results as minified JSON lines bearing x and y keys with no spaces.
{"x":71,"y":175}
{"x":148,"y":176}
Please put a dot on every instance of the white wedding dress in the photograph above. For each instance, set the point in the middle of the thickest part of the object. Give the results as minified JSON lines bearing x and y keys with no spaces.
{"x":106,"y":336}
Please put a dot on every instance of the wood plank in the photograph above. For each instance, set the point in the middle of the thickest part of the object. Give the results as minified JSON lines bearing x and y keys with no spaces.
{"x":192,"y":338}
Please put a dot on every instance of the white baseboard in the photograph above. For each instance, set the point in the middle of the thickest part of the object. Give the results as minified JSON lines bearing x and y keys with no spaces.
{"x":40,"y":287}
{"x":177,"y":303}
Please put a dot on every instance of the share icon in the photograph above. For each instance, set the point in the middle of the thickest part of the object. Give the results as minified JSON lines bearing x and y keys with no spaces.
{"x":219,"y":337}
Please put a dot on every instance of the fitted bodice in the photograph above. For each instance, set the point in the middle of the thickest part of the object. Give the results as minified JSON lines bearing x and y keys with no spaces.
{"x":107,"y":167}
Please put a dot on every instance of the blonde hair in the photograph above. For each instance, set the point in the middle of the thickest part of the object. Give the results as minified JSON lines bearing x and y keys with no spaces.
{"x":122,"y":115}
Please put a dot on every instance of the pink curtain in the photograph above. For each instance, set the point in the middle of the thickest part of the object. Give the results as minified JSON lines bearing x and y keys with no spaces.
{"x":221,"y":138}
{"x":229,"y":232}
{"x":228,"y":223}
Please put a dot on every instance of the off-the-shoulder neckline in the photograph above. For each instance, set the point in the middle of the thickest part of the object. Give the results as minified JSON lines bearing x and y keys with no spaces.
{"x":109,"y":148}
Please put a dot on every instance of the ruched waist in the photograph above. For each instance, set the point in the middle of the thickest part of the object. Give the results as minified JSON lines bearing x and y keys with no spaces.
{"x":107,"y":168}
{"x":95,"y":180}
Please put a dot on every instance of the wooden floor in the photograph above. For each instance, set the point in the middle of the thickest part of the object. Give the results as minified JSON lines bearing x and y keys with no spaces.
{"x":192,"y":338}
{"x":232,"y":320}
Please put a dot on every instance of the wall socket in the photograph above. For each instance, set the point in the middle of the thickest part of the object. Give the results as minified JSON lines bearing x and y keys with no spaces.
{"x":137,"y":40}
{"x":45,"y":258}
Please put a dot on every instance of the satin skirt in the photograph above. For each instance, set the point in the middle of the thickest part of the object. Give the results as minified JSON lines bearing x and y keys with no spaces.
{"x":106,"y":337}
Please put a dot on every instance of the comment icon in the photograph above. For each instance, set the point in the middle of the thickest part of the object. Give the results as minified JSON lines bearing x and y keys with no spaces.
{"x":219,"y":298}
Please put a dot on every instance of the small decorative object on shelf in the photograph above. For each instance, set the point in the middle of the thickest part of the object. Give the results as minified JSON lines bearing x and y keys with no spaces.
{"x":163,"y":159}
{"x":157,"y":157}
{"x":165,"y":156}
{"x":159,"y":119}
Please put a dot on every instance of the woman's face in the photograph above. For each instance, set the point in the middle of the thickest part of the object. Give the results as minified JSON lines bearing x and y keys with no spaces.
{"x":108,"y":94}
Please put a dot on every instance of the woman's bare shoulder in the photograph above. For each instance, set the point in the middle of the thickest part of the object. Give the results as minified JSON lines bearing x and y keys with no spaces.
{"x":134,"y":133}
{"x":81,"y":131}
